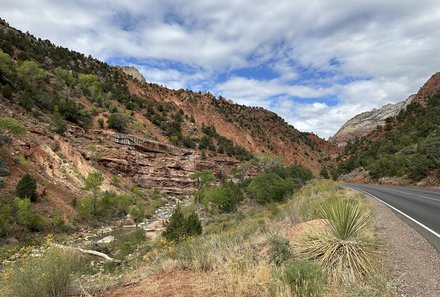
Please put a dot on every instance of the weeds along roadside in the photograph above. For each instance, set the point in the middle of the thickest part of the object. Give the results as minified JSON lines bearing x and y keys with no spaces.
{"x":238,"y":259}
{"x":253,"y":252}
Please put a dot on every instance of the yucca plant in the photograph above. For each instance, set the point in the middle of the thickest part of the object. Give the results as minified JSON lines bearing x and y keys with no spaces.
{"x":346,"y":248}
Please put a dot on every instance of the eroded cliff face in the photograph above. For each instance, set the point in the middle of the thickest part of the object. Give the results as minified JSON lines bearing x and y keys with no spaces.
{"x":255,"y":129}
{"x":364,"y":123}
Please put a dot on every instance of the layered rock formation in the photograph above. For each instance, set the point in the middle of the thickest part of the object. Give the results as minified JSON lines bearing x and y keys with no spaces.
{"x":364,"y":123}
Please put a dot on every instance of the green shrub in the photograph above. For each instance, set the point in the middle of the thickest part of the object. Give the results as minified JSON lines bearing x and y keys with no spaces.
{"x":26,"y":217}
{"x":7,"y":92}
{"x":119,"y":122}
{"x":270,"y":187}
{"x":179,"y":227}
{"x":26,"y":101}
{"x":129,"y":242}
{"x":10,"y":127}
{"x":2,"y":183}
{"x":280,"y":250}
{"x":4,"y":169}
{"x":101,"y":123}
{"x":226,"y":196}
{"x":419,"y":168}
{"x":48,"y":275}
{"x":175,"y":227}
{"x":193,"y":225}
{"x":304,"y":278}
{"x":27,"y":188}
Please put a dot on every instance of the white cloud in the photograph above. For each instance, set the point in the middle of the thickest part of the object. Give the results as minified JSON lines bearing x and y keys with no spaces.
{"x":390,"y":46}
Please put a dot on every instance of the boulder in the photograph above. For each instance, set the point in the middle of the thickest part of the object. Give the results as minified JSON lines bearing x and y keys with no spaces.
{"x":298,"y":229}
{"x":107,"y":240}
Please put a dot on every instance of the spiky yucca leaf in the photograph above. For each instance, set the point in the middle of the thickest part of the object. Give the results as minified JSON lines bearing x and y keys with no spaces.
{"x":347,"y":218}
{"x":346,"y":248}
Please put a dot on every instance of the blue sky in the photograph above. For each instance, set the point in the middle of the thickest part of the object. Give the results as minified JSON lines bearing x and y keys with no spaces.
{"x":315,"y":63}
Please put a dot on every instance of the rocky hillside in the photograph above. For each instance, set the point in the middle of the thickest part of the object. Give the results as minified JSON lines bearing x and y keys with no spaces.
{"x":365,"y":122}
{"x":405,"y":150}
{"x":431,"y":87}
{"x":82,"y":115}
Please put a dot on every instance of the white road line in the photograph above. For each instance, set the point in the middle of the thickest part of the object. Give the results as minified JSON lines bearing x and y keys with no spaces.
{"x":402,"y":213}
{"x":412,"y":194}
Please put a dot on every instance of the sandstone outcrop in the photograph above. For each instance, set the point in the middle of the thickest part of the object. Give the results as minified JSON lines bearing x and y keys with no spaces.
{"x":133,"y":72}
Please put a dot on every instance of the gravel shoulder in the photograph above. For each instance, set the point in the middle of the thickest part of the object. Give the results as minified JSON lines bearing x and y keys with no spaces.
{"x":413,"y":262}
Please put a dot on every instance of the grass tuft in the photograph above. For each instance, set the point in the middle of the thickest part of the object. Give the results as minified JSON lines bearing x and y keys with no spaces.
{"x":348,"y":250}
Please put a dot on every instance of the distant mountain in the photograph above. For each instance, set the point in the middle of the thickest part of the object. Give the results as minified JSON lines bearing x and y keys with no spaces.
{"x":405,"y":150}
{"x":363,"y":123}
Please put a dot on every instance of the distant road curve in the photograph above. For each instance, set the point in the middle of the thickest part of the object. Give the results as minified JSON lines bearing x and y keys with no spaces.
{"x":421,"y":206}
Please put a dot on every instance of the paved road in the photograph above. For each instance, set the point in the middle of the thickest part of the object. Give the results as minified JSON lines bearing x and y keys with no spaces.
{"x":422,"y":205}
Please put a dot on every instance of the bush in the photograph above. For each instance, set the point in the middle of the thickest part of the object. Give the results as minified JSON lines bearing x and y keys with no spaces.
{"x":128,"y":243}
{"x":179,"y":227}
{"x":48,"y":275}
{"x":346,"y":249}
{"x":26,"y":101}
{"x":119,"y":122}
{"x":27,"y":188}
{"x":226,"y":196}
{"x":2,"y":183}
{"x":7,"y":92}
{"x":280,"y":250}
{"x":270,"y":187}
{"x":419,"y":168}
{"x":9,"y":127}
{"x":304,"y":278}
{"x":4,"y":169}
{"x":26,"y":217}
{"x":193,"y":225}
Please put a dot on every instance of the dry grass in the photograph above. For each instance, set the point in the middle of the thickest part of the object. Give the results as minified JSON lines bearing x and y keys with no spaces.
{"x":348,"y":248}
{"x":236,"y":260}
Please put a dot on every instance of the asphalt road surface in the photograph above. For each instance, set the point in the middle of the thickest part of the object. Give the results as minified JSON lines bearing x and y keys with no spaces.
{"x":420,"y":207}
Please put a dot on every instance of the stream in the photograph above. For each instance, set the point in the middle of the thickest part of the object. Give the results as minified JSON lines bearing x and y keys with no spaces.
{"x":161,"y":214}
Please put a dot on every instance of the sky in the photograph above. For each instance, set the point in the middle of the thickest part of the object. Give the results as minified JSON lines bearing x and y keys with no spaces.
{"x":315,"y":63}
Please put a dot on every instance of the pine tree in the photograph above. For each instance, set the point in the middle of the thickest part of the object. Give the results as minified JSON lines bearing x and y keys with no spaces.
{"x":175,"y":227}
{"x":27,"y":188}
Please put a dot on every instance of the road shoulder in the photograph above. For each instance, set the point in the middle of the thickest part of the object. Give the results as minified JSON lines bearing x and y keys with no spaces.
{"x":413,"y":262}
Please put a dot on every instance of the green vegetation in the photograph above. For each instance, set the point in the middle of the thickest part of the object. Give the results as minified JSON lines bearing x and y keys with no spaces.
{"x":49,"y":275}
{"x":17,"y":217}
{"x":93,"y":183}
{"x":118,"y":121}
{"x":180,"y":227}
{"x":280,"y":250}
{"x":407,"y":148}
{"x":225,"y":197}
{"x":10,"y":128}
{"x":270,"y":187}
{"x":347,"y":249}
{"x":27,"y":188}
{"x":4,"y":169}
{"x":304,"y":278}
